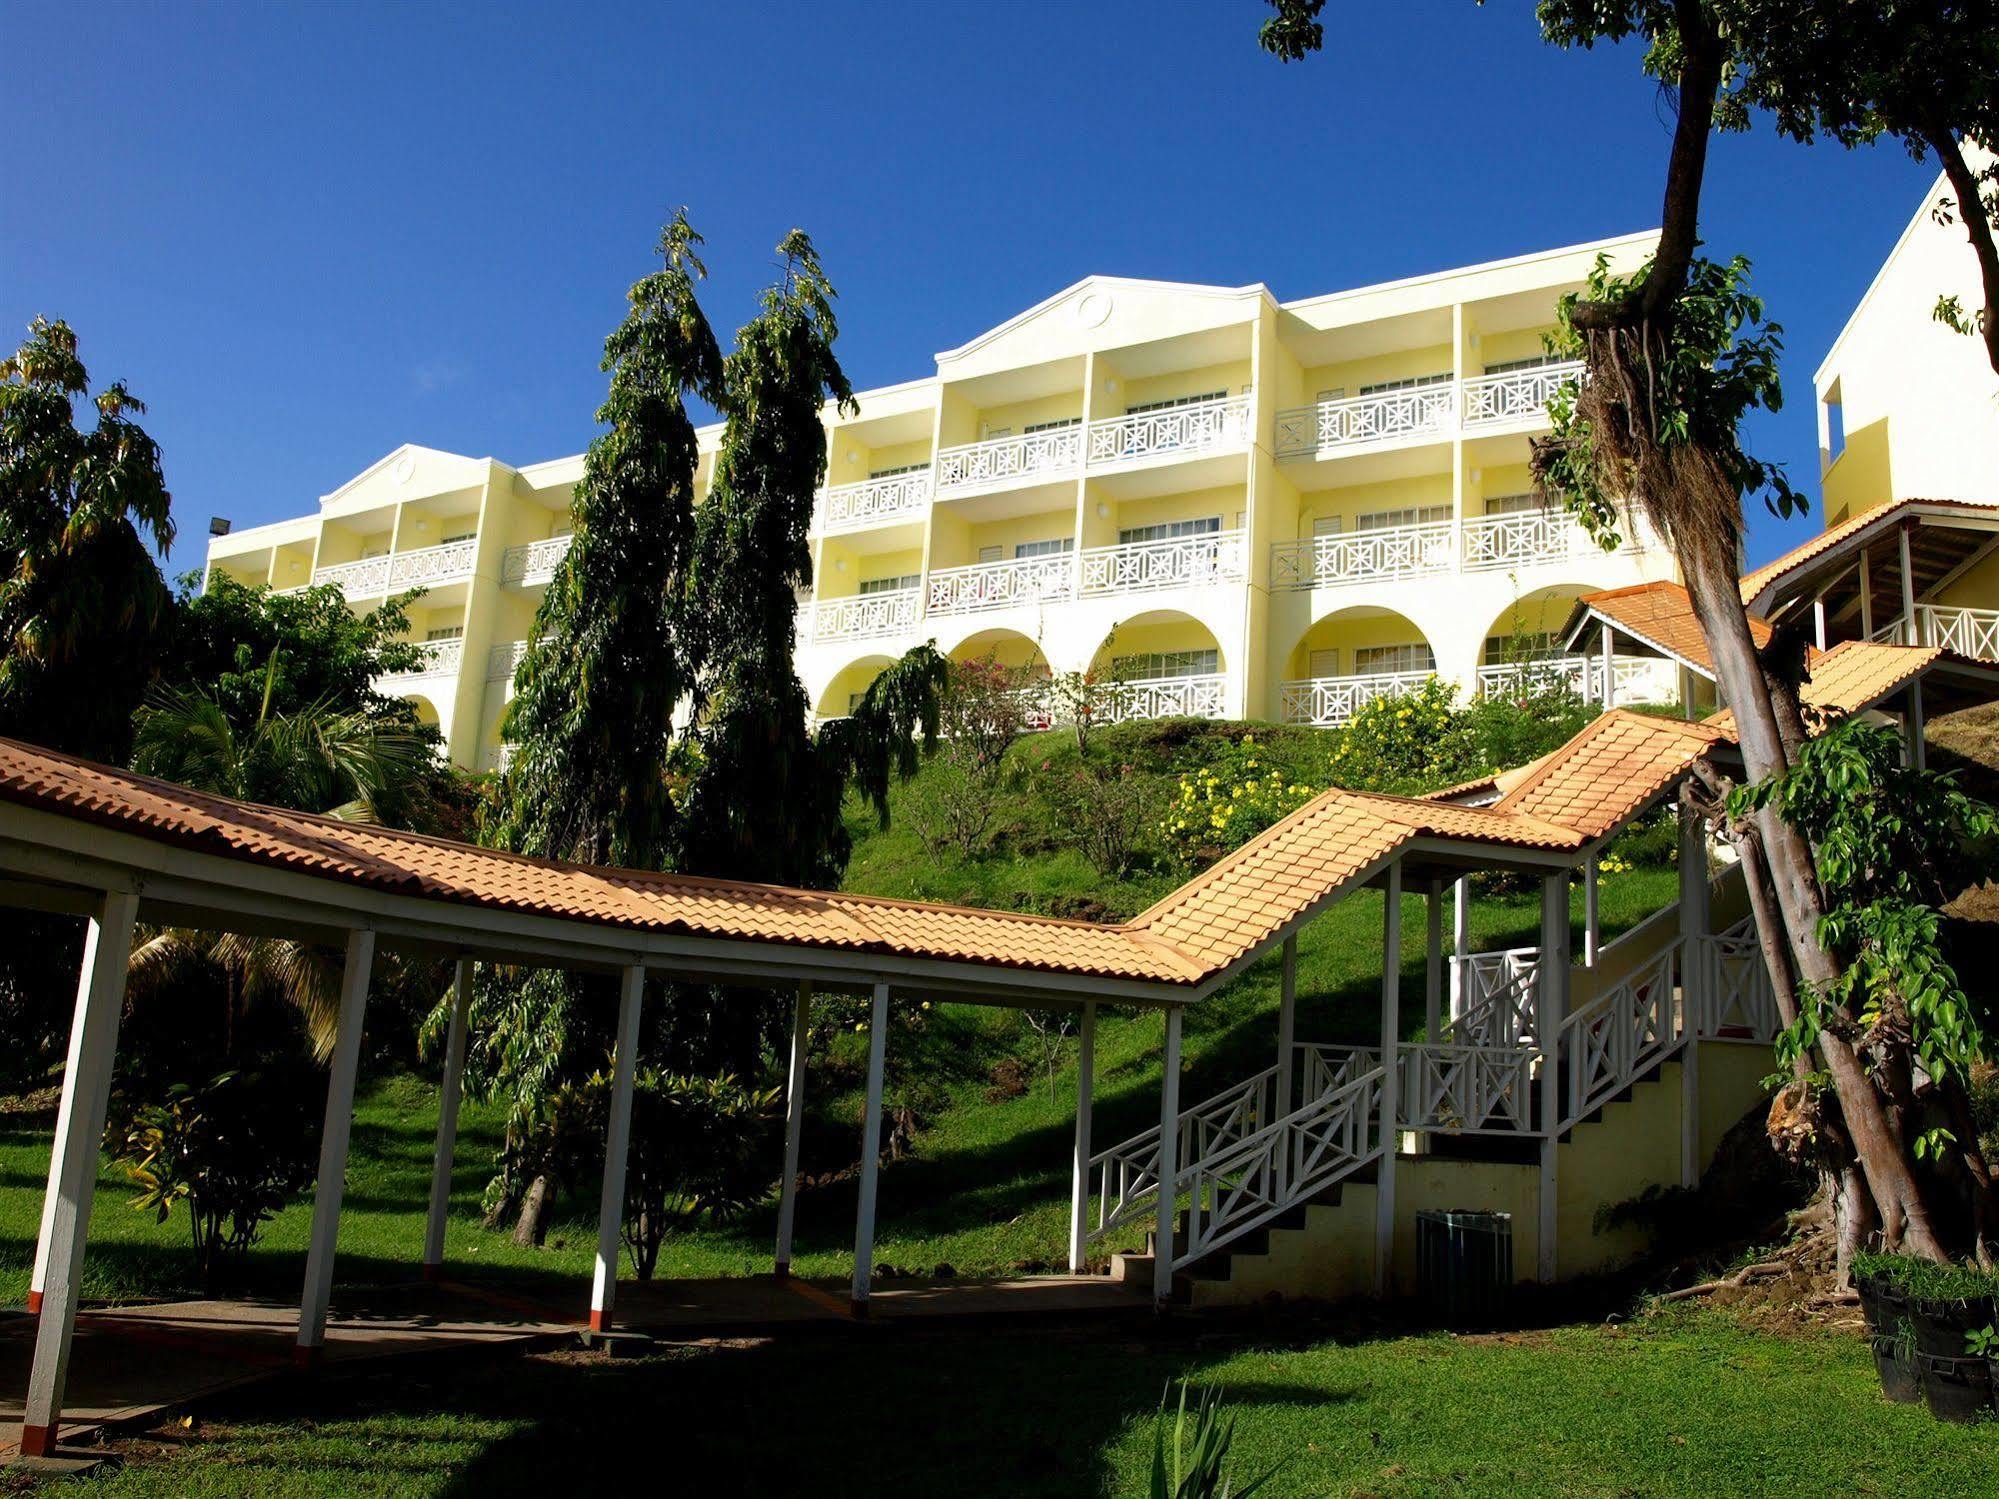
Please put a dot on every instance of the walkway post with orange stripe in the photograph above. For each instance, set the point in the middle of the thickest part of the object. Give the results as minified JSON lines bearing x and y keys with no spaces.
{"x":93,"y":1047}
{"x":333,"y":1138}
{"x":1079,"y":1169}
{"x":617,"y":1148}
{"x":447,"y":1122}
{"x":794,"y":1124}
{"x":871,"y":1140}
{"x":1391,"y":1035}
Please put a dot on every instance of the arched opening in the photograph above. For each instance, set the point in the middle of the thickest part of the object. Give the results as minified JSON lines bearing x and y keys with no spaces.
{"x":1009,"y":648}
{"x":1349,"y":658}
{"x":847,"y":686}
{"x":1161,"y":664}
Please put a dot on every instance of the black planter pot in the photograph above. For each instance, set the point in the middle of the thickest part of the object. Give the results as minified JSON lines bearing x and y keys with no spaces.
{"x":1956,"y":1389}
{"x":1941,"y":1326}
{"x":1895,"y":1364}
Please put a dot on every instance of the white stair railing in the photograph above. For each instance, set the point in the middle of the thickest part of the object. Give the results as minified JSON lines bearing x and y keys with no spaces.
{"x":1969,"y":632}
{"x":1466,"y":1089}
{"x":1736,"y":999}
{"x":1496,"y":1004}
{"x":1610,"y":1041}
{"x":1127,"y":1174}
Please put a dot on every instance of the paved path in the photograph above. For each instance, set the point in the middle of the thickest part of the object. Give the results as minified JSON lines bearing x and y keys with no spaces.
{"x":132,"y":1363}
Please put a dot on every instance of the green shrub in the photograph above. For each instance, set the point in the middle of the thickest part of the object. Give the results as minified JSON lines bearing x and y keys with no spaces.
{"x":1228,"y":801}
{"x":1199,"y":1466}
{"x":1924,"y":1280}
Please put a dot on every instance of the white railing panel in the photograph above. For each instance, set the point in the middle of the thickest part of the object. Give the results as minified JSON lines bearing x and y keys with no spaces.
{"x":1605,"y":1045}
{"x":1001,"y":459}
{"x":1180,"y":562}
{"x":441,"y":658}
{"x":864,"y":614}
{"x":1416,"y":411}
{"x":502,"y":660}
{"x":534,"y":564}
{"x":1176,"y":429}
{"x":1527,"y":538}
{"x":1127,"y":1174}
{"x":1466,"y":1089}
{"x":1735,"y":994}
{"x":1969,"y":632}
{"x":1002,"y":585}
{"x":1517,"y":395}
{"x":368,"y":576}
{"x":433,"y":564}
{"x":874,"y":501}
{"x":1364,"y":556}
{"x":1496,"y":998}
{"x":1331,"y":701}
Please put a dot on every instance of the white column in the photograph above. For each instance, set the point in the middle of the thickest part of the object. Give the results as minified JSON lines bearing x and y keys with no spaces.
{"x":617,"y":1148}
{"x":447,"y":1122}
{"x":1169,"y":1162}
{"x":1433,"y":964}
{"x":1609,"y":668}
{"x":93,"y":1049}
{"x":1551,"y":1007}
{"x":794,"y":1125}
{"x":1914,"y":727}
{"x":1590,"y":926}
{"x":871,"y":1137}
{"x":333,"y":1148}
{"x":1079,"y":1169}
{"x":1818,"y":621}
{"x":1460,"y":942}
{"x":1908,"y":591}
{"x":1391,"y":1025}
{"x":1287,"y":1024}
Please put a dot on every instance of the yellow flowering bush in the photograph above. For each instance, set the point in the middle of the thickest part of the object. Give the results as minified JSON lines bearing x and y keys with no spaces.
{"x":1228,"y":801}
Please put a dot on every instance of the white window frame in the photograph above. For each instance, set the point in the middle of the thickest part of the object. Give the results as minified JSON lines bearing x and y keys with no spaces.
{"x":1147,"y":666}
{"x":892,"y":584}
{"x":1171,"y":530}
{"x":1409,"y":655}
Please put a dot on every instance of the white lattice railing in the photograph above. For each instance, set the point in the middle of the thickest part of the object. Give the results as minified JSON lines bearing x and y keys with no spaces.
{"x":997,"y":459}
{"x":368,"y":576}
{"x":1969,"y":632}
{"x":1605,"y":1045}
{"x":1322,"y":1067}
{"x":1290,"y":1159}
{"x":1176,"y":429}
{"x":397,"y":570}
{"x":440,"y":658}
{"x":1528,"y":537}
{"x":1517,"y":395}
{"x":894,"y":497}
{"x":1364,"y":556}
{"x":1127,"y":1174}
{"x":1736,"y":1002}
{"x":1166,"y":697}
{"x":534,"y":563}
{"x":1331,"y":701}
{"x":1002,"y":585}
{"x":1466,"y":1089}
{"x":1179,"y":562}
{"x":1412,"y":412}
{"x":1496,"y":994}
{"x":860,"y":615}
{"x":1638,"y":679}
{"x":503,"y":658}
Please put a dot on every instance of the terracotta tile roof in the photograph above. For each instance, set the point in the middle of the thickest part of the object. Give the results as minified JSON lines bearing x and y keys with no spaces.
{"x":1856,"y":674}
{"x":1662,"y":616}
{"x":1612,"y":768}
{"x":1827,"y":540}
{"x":1497,"y":784}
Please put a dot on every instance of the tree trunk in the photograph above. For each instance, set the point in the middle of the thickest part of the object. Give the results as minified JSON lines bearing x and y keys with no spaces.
{"x":531,"y":1228}
{"x":1977,"y":228}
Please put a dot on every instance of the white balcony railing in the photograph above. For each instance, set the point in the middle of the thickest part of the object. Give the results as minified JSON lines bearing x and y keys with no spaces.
{"x":1167,"y":697}
{"x":1175,"y":429}
{"x":502,"y":659}
{"x":1517,"y":395}
{"x":866,"y":614}
{"x":1058,"y":450}
{"x":1364,"y":556}
{"x":846,"y":507}
{"x":1636,"y":679}
{"x":398,"y":570}
{"x":1181,"y":562}
{"x":1331,"y":701}
{"x":1526,"y":538}
{"x":1415,"y":411}
{"x":1002,"y":585}
{"x":534,"y":564}
{"x":1969,"y":632}
{"x":440,"y":658}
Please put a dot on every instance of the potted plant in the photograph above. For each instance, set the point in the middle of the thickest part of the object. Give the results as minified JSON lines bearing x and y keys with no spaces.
{"x":1946,"y":1303}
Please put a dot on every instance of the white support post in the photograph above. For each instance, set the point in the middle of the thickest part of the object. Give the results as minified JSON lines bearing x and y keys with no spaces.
{"x":93,"y":1050}
{"x":1391,"y":1027}
{"x":1460,"y":942}
{"x":1908,"y":591}
{"x":1079,"y":1170}
{"x":617,"y":1148}
{"x":1169,"y":1162}
{"x":1914,"y":727}
{"x":1287,"y":1024}
{"x":1866,"y":597}
{"x":1818,"y":621}
{"x":1690,"y":1099}
{"x":447,"y":1122}
{"x":871,"y":1139}
{"x":794,"y":1126}
{"x":1591,"y":929}
{"x":1551,"y":1007}
{"x":332,"y":1183}
{"x":1433,"y":964}
{"x":1694,"y":918}
{"x":1609,"y":668}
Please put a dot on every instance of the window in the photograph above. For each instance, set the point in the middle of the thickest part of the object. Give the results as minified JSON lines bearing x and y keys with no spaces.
{"x":1324,"y":663}
{"x":1144,"y":406}
{"x":1531,"y":645}
{"x":448,"y":632}
{"x":1414,"y":515}
{"x":1051,"y":548}
{"x":889,"y":585}
{"x":459,"y":536}
{"x":1336,"y":393}
{"x":1514,"y":504}
{"x":1207,"y":525}
{"x":1369,"y":659}
{"x":992,"y":553}
{"x":1325,"y":525}
{"x":904,"y":468}
{"x":1151,"y":665}
{"x":1055,"y":426}
{"x":1508,"y":366}
{"x":1413,"y":382}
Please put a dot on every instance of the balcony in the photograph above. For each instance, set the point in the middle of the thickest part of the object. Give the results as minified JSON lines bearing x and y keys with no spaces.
{"x":1001,"y":585}
{"x":502,"y":659}
{"x":1179,"y":562}
{"x":1484,"y":543}
{"x":1969,"y":632}
{"x":1129,"y":701}
{"x":1481,"y":403}
{"x":868,"y":614}
{"x":1001,"y":460}
{"x":874,"y":502}
{"x":1634,"y":679}
{"x":440,"y":658}
{"x":1175,"y":430}
{"x":1330,"y":701}
{"x":395,"y":571}
{"x":534,"y":564}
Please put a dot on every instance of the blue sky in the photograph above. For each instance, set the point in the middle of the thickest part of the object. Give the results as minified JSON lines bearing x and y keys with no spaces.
{"x":307,"y":234}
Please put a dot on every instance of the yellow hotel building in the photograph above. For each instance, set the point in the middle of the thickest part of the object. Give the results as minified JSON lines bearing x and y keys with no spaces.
{"x":1239,"y":507}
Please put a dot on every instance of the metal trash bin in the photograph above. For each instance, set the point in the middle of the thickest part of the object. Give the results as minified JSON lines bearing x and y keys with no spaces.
{"x":1464,"y":1265}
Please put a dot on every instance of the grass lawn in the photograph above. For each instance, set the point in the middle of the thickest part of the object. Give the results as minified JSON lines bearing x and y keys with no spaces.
{"x":986,"y":1188}
{"x":1687,"y":1403}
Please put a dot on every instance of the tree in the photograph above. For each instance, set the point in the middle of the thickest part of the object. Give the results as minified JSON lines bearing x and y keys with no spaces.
{"x":81,"y":604}
{"x":1674,"y":357}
